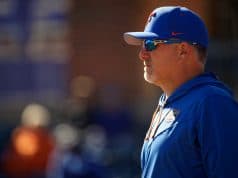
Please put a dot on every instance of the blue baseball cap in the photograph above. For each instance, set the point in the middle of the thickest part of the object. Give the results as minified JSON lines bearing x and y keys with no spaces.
{"x":171,"y":22}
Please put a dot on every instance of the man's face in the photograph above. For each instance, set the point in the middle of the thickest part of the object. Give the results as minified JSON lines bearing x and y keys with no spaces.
{"x":159,"y":63}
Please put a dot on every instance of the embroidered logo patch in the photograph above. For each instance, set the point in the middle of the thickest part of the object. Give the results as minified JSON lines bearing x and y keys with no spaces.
{"x":171,"y":115}
{"x":161,"y":121}
{"x":152,"y":15}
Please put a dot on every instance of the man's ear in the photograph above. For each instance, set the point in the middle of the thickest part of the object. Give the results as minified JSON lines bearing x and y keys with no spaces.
{"x":183,"y":49}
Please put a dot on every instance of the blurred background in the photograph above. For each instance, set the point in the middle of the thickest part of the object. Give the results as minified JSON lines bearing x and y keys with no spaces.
{"x":73,"y":101}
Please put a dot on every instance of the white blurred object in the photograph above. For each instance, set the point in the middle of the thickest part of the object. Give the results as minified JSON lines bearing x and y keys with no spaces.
{"x":35,"y":115}
{"x":95,"y":143}
{"x":66,"y":136}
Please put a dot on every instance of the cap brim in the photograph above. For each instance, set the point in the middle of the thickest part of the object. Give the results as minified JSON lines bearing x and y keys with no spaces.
{"x":136,"y":38}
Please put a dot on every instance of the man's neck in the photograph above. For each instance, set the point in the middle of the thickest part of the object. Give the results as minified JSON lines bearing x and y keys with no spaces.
{"x":178,"y":80}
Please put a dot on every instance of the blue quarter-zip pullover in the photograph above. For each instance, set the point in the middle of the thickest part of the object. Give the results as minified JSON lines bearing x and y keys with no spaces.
{"x":194,"y":134}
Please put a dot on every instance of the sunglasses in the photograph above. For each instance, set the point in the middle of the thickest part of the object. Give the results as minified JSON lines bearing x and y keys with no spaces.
{"x":151,"y":45}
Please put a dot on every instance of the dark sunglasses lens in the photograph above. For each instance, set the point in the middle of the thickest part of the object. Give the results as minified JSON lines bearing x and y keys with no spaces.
{"x":149,"y":45}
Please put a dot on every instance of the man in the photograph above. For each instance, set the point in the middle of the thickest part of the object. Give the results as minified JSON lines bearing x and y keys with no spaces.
{"x":193,"y":133}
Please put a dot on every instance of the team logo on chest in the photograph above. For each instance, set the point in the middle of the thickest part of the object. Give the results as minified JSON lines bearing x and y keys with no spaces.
{"x":161,"y":120}
{"x":171,"y":116}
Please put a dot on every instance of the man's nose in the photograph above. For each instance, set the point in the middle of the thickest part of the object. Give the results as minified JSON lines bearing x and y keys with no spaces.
{"x":143,"y":54}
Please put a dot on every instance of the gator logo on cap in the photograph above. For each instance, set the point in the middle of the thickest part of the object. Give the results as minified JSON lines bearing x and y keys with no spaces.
{"x":152,"y":15}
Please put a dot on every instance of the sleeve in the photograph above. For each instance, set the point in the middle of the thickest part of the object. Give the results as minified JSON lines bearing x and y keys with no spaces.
{"x":218,"y":136}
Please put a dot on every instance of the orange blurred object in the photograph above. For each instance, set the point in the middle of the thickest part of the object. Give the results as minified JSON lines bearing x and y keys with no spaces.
{"x":26,"y":142}
{"x":29,"y":152}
